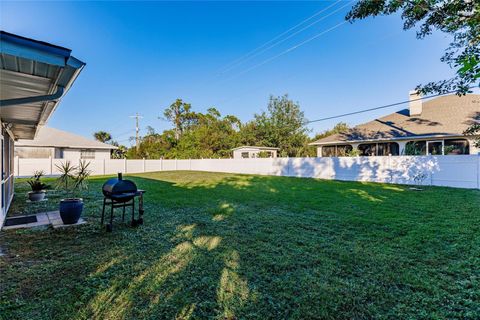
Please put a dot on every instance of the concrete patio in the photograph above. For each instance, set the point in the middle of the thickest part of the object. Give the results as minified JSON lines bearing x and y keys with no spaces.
{"x":44,"y":219}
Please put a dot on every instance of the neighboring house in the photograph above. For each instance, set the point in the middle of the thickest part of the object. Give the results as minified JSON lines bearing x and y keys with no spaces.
{"x":254,"y":152}
{"x":433,"y":127}
{"x":59,"y":144}
{"x":34,"y":76}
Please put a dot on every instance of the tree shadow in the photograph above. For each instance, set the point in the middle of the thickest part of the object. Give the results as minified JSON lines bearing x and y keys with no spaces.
{"x":233,"y":246}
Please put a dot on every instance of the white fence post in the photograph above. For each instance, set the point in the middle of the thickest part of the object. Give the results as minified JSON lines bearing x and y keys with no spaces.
{"x":390,"y":177}
{"x":288,"y":166}
{"x":431,"y":172}
{"x":104,"y":171}
{"x":143,"y":164}
{"x":161,"y":164}
{"x":125,"y":165}
{"x":478,"y":170}
{"x":190,"y":164}
{"x":176,"y":164}
{"x":51,"y":164}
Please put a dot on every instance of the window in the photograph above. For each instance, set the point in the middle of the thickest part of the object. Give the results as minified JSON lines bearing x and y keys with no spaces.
{"x":342,"y":151}
{"x":59,"y":153}
{"x":416,"y":148}
{"x":456,"y":146}
{"x":328,"y":151}
{"x":368,"y":149}
{"x":435,"y":148}
{"x":336,"y":151}
{"x":245,"y":155}
{"x":388,"y":148}
{"x":87,"y":154}
{"x":379,"y":149}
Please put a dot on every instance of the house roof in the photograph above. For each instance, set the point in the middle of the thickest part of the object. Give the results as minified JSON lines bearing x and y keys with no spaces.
{"x":34,"y":76}
{"x":50,"y":137}
{"x":255,"y":147}
{"x":443,"y":116}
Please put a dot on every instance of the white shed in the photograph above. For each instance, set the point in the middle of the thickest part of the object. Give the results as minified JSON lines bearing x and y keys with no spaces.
{"x":245,"y":152}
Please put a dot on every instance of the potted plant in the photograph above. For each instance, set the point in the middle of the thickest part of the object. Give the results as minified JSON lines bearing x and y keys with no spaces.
{"x":38,"y":187}
{"x":73,"y":180}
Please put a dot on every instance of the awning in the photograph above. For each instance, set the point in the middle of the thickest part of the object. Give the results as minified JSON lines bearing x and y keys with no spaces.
{"x":34,"y":76}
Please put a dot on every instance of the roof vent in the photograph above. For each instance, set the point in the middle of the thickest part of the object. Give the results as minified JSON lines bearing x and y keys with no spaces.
{"x":415,"y":104}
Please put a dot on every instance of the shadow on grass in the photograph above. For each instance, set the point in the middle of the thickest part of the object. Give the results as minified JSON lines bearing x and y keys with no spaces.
{"x":239,"y":246}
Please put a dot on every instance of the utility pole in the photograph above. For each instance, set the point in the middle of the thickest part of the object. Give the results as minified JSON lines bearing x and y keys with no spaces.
{"x":137,"y":130}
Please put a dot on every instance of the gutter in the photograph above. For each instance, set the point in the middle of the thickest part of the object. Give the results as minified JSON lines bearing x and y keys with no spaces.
{"x":49,"y":97}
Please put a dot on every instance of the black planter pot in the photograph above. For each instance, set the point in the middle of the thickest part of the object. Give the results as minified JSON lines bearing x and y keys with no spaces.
{"x":71,"y":210}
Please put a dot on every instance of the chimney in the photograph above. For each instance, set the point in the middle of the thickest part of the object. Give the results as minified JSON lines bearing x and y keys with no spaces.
{"x":415,"y":106}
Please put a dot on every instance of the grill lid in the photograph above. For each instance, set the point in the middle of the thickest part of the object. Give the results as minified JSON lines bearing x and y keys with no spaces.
{"x":117,"y":186}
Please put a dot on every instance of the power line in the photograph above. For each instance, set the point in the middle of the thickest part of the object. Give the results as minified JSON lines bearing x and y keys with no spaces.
{"x":297,"y":32}
{"x":289,"y":49}
{"x":125,"y":133}
{"x":380,"y":107}
{"x":249,"y":55}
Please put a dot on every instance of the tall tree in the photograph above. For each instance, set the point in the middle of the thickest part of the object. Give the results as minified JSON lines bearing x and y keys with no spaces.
{"x":338,"y":128}
{"x":459,"y":18}
{"x":102,"y":136}
{"x":282,"y":125}
{"x":119,"y":153}
{"x":211,"y":136}
{"x":179,"y":113}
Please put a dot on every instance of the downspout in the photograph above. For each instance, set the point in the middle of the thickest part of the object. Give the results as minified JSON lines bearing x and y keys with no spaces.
{"x":49,"y":97}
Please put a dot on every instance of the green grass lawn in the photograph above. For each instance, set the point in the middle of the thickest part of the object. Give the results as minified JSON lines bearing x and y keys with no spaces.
{"x":227,"y":246}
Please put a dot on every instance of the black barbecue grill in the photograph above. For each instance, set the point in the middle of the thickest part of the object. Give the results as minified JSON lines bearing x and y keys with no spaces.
{"x":119,"y":193}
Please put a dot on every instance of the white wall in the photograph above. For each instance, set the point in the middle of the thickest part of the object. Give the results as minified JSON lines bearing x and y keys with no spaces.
{"x":65,"y":153}
{"x":473,"y":149}
{"x":74,"y":154}
{"x":34,"y":152}
{"x":455,"y":171}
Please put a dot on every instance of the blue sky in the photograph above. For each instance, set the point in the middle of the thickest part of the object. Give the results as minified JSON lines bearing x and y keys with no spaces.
{"x":141,"y":56}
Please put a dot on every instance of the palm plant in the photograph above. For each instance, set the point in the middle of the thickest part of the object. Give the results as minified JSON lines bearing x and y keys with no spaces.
{"x":81,"y":175}
{"x":73,"y":178}
{"x":66,"y":180}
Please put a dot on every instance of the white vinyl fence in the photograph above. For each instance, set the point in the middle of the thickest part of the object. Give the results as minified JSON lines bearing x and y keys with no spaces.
{"x":462,"y":171}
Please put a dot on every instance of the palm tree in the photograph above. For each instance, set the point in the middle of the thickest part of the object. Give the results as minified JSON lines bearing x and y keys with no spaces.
{"x":102,"y":136}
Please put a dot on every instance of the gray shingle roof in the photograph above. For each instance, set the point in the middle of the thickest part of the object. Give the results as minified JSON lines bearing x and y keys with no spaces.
{"x":50,"y":137}
{"x":442,"y":116}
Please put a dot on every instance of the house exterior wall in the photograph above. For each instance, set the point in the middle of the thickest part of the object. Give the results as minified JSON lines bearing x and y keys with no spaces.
{"x":58,"y":153}
{"x":34,"y":152}
{"x":473,"y":149}
{"x":75,"y":154}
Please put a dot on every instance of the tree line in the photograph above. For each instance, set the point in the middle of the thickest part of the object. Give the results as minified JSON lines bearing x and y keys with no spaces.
{"x":196,"y":135}
{"x":282,"y":125}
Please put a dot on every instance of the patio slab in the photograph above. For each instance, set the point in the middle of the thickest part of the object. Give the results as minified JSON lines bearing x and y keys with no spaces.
{"x":56,"y":220}
{"x":45,"y":219}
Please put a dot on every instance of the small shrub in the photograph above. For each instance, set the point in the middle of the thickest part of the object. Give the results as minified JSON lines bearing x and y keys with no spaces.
{"x":35,"y":183}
